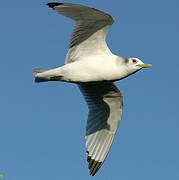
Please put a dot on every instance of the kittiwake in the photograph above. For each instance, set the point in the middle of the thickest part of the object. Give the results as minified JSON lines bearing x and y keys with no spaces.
{"x":94,"y":68}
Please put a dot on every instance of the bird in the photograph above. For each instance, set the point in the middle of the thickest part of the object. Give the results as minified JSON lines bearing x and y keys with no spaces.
{"x":92,"y":66}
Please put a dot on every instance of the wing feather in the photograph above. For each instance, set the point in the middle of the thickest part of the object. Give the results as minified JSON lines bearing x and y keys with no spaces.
{"x":105,"y":103}
{"x":90,"y":30}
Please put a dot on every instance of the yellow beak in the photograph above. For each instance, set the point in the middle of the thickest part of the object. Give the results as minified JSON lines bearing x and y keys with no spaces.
{"x":144,"y":65}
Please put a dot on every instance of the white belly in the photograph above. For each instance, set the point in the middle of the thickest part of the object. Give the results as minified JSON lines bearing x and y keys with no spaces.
{"x":92,"y":69}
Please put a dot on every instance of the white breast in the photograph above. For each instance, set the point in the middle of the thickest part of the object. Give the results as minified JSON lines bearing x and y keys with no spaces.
{"x":95,"y":68}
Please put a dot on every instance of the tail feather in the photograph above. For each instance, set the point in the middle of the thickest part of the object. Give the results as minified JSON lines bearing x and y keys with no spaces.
{"x":39,"y":79}
{"x":38,"y":70}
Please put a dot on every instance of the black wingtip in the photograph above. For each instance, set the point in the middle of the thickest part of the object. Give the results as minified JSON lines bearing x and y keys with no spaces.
{"x":93,"y":165}
{"x":53,"y":4}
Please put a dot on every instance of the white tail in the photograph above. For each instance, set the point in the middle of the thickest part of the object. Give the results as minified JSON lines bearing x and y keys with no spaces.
{"x":39,"y":79}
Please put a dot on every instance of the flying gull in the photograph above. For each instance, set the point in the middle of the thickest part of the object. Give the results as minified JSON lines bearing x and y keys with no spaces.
{"x":94,"y":68}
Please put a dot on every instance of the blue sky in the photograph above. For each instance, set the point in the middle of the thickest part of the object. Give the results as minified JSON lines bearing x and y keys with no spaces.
{"x":42,"y":126}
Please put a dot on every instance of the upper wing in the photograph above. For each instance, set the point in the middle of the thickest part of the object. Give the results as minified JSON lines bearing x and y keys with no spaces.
{"x":105,"y":104}
{"x":90,"y":30}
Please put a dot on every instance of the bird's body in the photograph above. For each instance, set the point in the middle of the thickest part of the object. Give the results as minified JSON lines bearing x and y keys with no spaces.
{"x":92,"y":69}
{"x":90,"y":64}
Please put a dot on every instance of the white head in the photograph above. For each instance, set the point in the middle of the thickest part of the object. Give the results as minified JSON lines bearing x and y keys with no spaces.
{"x":135,"y":64}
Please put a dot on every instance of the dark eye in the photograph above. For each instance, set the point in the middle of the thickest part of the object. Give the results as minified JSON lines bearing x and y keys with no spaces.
{"x":134,"y":61}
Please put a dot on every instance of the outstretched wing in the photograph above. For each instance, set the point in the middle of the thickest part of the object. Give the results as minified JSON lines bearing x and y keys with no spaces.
{"x":90,"y":30}
{"x":105,"y":104}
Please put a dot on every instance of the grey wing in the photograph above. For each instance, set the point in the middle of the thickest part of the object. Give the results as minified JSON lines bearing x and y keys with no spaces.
{"x":105,"y":104}
{"x":89,"y":22}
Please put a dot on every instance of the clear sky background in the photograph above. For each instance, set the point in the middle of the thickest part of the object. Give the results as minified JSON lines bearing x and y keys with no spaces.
{"x":42,"y":126}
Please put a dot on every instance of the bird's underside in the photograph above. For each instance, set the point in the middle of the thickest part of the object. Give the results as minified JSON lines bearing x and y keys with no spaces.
{"x":91,"y":65}
{"x":104,"y":99}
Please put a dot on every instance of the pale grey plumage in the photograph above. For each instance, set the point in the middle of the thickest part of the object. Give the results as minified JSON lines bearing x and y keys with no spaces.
{"x":105,"y":104}
{"x":88,"y":20}
{"x":91,"y":64}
